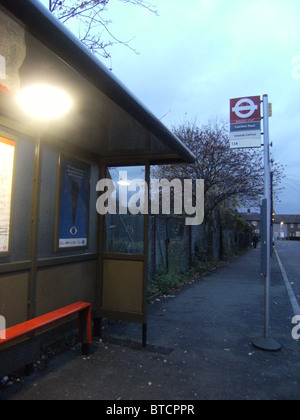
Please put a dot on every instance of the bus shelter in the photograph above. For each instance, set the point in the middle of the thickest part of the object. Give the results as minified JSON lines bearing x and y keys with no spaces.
{"x":55,"y":249}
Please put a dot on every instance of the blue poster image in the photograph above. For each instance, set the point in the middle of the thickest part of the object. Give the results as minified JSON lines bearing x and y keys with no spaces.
{"x":74,"y":204}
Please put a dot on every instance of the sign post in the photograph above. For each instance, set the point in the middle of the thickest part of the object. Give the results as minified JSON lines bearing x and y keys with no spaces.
{"x":266,"y":342}
{"x":245,"y":132}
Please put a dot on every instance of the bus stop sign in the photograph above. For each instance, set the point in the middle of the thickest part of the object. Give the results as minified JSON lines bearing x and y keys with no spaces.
{"x":245,"y":122}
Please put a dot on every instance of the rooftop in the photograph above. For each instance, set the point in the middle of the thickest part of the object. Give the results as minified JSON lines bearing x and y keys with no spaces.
{"x":279,"y":218}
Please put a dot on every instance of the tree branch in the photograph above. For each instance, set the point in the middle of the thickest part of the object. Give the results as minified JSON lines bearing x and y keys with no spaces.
{"x":231,"y":177}
{"x":92,"y":26}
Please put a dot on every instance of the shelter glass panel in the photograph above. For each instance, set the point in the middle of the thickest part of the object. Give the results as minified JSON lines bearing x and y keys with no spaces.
{"x":124,"y":230}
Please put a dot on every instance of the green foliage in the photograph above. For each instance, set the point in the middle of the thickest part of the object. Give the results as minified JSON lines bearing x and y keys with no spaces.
{"x":170,"y":282}
{"x":167,"y":283}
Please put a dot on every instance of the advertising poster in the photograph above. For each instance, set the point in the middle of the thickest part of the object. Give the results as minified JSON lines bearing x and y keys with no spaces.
{"x":74,"y":204}
{"x":7,"y":153}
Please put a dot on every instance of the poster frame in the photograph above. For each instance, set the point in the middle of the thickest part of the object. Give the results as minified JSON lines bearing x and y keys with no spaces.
{"x":63,"y":159}
{"x":13,"y":139}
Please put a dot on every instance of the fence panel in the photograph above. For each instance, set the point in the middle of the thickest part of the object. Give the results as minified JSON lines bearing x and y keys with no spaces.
{"x":173,"y":246}
{"x":179,"y":245}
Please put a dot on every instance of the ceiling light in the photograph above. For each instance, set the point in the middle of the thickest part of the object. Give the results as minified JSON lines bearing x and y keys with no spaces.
{"x":44,"y":101}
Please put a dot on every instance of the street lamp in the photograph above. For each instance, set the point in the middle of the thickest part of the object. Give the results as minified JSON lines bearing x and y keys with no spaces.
{"x":44,"y":102}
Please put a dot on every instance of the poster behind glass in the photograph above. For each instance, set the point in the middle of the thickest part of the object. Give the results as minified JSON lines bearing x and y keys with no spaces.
{"x":73,"y":204}
{"x":7,"y":154}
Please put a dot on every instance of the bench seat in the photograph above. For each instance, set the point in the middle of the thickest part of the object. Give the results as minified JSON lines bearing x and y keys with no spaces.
{"x":83,"y":310}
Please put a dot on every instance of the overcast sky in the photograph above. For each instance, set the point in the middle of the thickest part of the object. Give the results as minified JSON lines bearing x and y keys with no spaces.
{"x":198,"y":54}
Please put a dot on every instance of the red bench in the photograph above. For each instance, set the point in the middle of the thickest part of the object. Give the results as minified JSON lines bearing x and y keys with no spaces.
{"x":85,"y":324}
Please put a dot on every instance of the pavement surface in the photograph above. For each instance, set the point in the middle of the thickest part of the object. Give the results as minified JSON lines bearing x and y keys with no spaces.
{"x":200,"y":348}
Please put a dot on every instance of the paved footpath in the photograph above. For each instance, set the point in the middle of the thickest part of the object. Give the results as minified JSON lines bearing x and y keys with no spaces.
{"x":203,"y":337}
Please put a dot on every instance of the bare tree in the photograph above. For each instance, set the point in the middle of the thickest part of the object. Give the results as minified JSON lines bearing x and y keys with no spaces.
{"x":89,"y":18}
{"x":232,"y":178}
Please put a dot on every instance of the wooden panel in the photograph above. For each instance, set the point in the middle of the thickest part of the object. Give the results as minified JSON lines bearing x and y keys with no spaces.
{"x":65,"y":284}
{"x":14,"y":298}
{"x":123,"y":286}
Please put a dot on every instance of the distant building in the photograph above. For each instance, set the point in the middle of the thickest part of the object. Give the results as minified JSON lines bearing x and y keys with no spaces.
{"x":253,"y":219}
{"x":285,"y":226}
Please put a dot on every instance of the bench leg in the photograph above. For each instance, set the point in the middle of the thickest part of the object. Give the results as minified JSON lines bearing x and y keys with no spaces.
{"x":98,"y":328}
{"x":85,"y":349}
{"x":85,"y":330}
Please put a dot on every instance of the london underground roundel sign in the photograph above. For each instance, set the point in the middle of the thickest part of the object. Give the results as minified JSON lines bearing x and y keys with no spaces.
{"x":245,"y":122}
{"x":244,"y":110}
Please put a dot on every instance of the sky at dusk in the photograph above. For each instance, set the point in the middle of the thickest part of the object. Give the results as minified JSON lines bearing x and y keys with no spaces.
{"x":198,"y":54}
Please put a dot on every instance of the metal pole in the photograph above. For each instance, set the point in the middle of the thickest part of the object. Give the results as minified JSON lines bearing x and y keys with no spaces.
{"x":268,"y":198}
{"x":272,"y":212}
{"x":34,"y":230}
{"x":267,"y":343}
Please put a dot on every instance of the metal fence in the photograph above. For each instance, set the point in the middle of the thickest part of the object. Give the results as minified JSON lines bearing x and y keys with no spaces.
{"x":173,"y":246}
{"x":170,"y":245}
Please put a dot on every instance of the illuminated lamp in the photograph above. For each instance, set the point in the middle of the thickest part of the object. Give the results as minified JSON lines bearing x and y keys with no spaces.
{"x":44,"y":101}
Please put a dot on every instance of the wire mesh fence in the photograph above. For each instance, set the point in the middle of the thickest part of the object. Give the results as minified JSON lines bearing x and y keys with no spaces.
{"x":174,"y":247}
